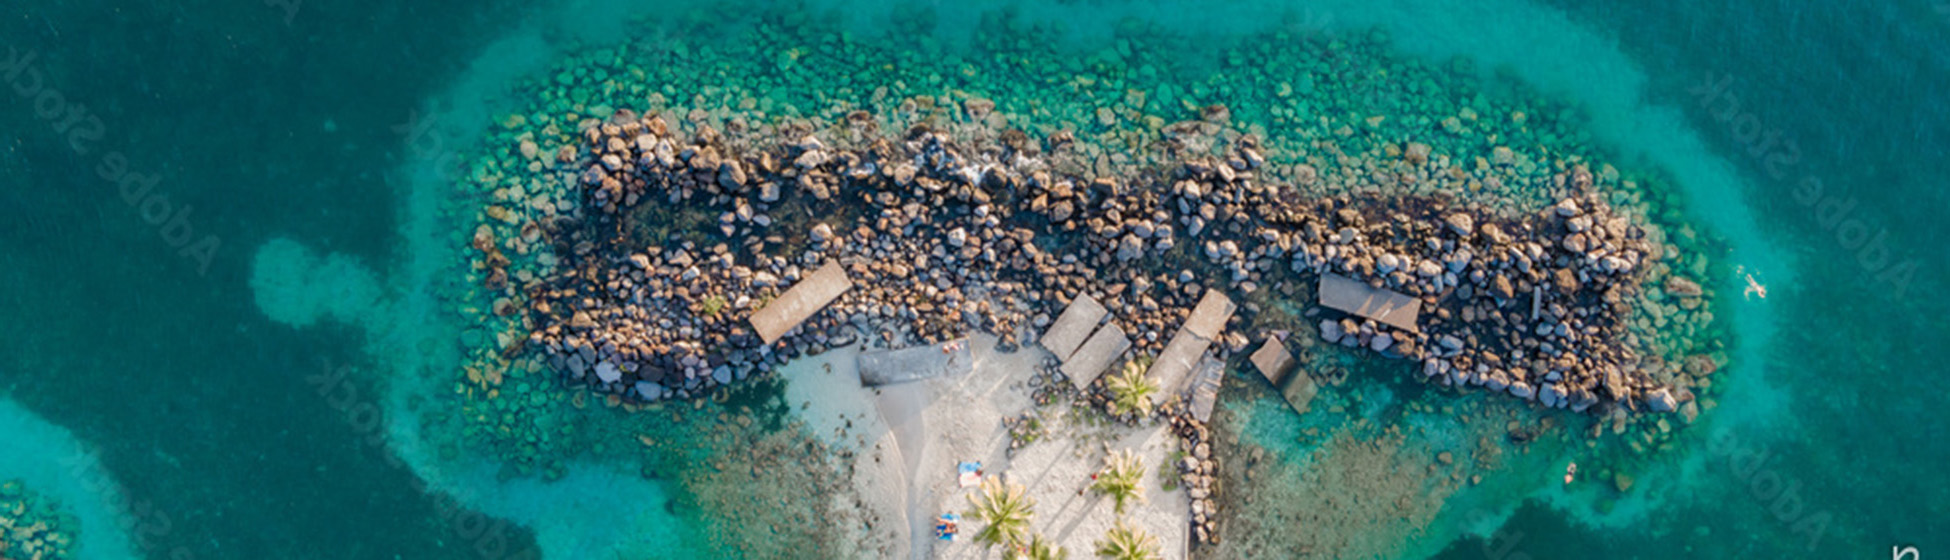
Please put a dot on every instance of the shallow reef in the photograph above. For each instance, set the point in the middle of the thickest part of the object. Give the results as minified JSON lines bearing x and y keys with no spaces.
{"x":32,"y":526}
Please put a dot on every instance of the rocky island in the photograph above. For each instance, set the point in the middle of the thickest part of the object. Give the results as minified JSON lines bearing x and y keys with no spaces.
{"x":940,"y":279}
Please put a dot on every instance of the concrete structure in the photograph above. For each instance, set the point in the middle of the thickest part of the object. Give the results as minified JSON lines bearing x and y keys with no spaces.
{"x":1207,"y":320}
{"x":913,"y":364}
{"x":1358,"y":298}
{"x":810,"y":295}
{"x":1276,"y":364}
{"x":1096,"y":355}
{"x":1073,"y":326}
{"x":1273,"y":360}
{"x":1299,"y":390}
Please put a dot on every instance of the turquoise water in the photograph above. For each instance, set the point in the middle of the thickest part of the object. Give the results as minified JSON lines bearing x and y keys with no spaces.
{"x":244,"y":376}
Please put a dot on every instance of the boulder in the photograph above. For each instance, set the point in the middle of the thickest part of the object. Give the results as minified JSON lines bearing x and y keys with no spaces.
{"x":1681,"y":287}
{"x":1131,"y":247}
{"x":1387,"y":263}
{"x":1460,"y":223}
{"x":1381,"y":342}
{"x":1661,"y":401}
{"x":1567,"y":208}
{"x":1330,"y":331}
{"x":607,"y":372}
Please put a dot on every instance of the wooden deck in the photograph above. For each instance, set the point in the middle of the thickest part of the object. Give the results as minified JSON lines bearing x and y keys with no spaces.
{"x":1358,"y":298}
{"x":1073,"y":326}
{"x":810,"y":295}
{"x":1096,"y":355}
{"x":1207,"y":320}
{"x":1276,"y":364}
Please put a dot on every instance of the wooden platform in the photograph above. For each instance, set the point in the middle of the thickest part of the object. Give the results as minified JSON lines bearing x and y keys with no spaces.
{"x":1273,"y":361}
{"x":810,"y":295}
{"x":1096,"y":355}
{"x":1187,"y":347}
{"x":1358,"y":298}
{"x":1073,"y":326}
{"x":1276,"y":364}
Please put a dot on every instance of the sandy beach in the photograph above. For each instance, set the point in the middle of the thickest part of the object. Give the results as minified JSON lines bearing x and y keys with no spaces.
{"x":910,"y":438}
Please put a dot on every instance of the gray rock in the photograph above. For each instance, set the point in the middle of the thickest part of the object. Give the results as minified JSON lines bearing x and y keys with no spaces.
{"x":1661,"y":401}
{"x":608,"y":372}
{"x":1452,"y":343}
{"x":1131,"y":247}
{"x":1428,"y":269}
{"x":1551,"y":395}
{"x":1381,"y":342}
{"x":1460,"y":223}
{"x":649,"y":391}
{"x":1061,"y":211}
{"x":1567,"y":208}
{"x":1387,"y":263}
{"x":1522,"y":390}
{"x":1680,"y":286}
{"x":1330,"y":331}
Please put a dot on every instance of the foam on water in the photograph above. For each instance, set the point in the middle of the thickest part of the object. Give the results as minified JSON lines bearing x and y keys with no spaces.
{"x":52,"y":463}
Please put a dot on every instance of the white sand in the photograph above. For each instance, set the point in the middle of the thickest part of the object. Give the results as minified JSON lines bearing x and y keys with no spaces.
{"x":911,"y":437}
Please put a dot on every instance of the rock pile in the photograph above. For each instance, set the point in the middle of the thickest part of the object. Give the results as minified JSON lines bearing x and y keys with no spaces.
{"x":943,"y":235}
{"x":1197,"y":471}
{"x":1536,"y":307}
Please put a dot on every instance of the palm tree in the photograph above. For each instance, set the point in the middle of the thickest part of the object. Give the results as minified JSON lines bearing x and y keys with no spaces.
{"x":1120,"y":477}
{"x":1131,"y":391}
{"x":1124,"y":542}
{"x":1040,"y":549}
{"x":1007,"y":508}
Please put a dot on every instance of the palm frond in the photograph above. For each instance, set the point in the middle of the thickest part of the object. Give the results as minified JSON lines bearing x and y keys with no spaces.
{"x":1007,"y":508}
{"x":1121,"y":478}
{"x":1124,"y":542}
{"x":1131,"y":391}
{"x":1040,"y":549}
